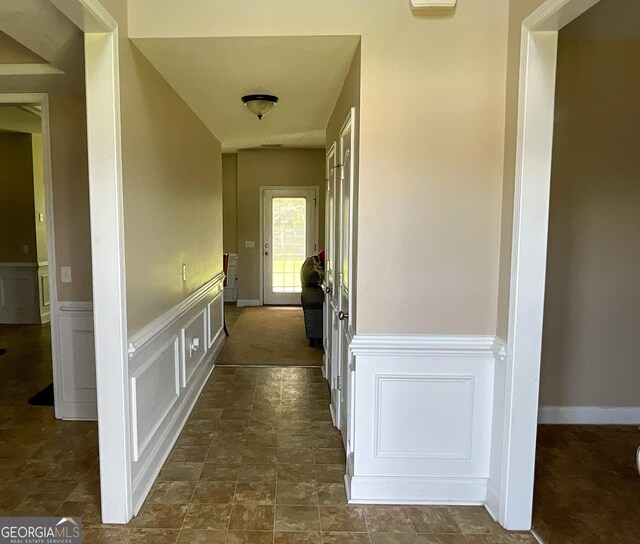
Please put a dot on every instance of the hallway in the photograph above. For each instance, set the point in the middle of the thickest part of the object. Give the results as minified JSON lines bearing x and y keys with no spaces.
{"x":259,"y":462}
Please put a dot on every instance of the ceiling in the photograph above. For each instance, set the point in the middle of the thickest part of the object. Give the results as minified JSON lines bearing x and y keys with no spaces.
{"x":607,"y":20}
{"x":211,"y":74}
{"x":13,"y":52}
{"x":20,"y":119}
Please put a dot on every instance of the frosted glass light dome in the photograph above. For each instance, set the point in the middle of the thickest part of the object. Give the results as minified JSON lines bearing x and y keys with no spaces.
{"x":260,"y":104}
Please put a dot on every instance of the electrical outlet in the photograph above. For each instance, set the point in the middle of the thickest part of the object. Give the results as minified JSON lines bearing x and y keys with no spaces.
{"x":41,"y":217}
{"x":184,"y":272}
{"x":25,"y":249}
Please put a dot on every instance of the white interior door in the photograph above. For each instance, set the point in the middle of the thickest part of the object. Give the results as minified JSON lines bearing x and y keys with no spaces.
{"x":345,"y":276}
{"x":289,"y":237}
{"x":331,"y":296}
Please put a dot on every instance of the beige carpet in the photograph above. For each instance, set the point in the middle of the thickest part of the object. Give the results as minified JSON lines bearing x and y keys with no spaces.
{"x":269,"y":336}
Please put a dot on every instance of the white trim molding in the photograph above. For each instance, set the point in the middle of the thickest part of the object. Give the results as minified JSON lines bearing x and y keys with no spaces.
{"x":426,"y":345}
{"x":589,"y":415}
{"x":247,"y":302}
{"x":170,"y":361}
{"x":146,"y":333}
{"x":513,"y":462}
{"x":422,"y":417}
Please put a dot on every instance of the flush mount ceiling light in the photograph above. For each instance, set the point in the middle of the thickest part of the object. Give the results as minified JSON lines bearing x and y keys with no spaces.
{"x":260,"y":104}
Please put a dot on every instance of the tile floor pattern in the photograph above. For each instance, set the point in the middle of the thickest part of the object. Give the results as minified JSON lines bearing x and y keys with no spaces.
{"x":258,"y":462}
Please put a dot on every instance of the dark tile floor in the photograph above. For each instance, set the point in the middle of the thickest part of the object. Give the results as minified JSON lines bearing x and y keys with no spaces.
{"x":587,"y":486}
{"x":259,"y":461}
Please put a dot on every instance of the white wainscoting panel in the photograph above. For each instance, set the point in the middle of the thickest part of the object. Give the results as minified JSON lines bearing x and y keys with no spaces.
{"x":19,"y":297}
{"x":216,"y":319}
{"x":43,"y":288}
{"x":77,"y":392}
{"x":195,"y":342}
{"x":155,"y":387}
{"x":170,"y":360}
{"x":422,"y":419}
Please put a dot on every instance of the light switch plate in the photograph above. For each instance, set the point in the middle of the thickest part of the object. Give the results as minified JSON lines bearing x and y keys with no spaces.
{"x":433,"y":3}
{"x":249,"y":244}
{"x":65,"y":274}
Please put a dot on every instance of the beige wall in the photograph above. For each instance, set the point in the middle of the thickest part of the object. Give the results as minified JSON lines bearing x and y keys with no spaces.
{"x":257,"y":168}
{"x":17,"y":225}
{"x":70,"y":179}
{"x":172,"y":183}
{"x":69,"y":172}
{"x":592,"y":303}
{"x":349,"y":97}
{"x":431,"y":148}
{"x":230,"y":201}
{"x":519,"y":10}
{"x":38,"y":196}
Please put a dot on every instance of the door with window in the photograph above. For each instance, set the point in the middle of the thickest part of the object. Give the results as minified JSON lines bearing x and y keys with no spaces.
{"x":289,"y":237}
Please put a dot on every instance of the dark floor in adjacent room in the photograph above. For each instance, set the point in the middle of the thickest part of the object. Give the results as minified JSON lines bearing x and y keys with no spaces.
{"x":587,"y":489}
{"x":47,"y":466}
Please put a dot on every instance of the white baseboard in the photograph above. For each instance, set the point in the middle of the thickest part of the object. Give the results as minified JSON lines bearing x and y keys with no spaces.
{"x":170,"y":361}
{"x":492,"y":504}
{"x":417,"y":490}
{"x":589,"y":415}
{"x":244,"y":302}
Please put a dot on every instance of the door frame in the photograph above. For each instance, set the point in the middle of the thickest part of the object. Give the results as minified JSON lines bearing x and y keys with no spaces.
{"x":316,"y":227}
{"x":102,"y":83}
{"x":42,"y":99}
{"x":536,"y":109}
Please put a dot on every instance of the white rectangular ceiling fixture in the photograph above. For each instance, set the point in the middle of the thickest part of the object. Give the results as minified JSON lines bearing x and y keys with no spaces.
{"x":433,"y":3}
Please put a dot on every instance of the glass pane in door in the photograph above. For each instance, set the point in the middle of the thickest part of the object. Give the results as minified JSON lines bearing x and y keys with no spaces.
{"x":289,"y":239}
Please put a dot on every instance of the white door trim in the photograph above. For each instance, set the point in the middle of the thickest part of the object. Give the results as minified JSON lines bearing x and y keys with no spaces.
{"x":264,"y":188}
{"x":538,"y":58}
{"x":43,"y":100}
{"x":107,"y":245}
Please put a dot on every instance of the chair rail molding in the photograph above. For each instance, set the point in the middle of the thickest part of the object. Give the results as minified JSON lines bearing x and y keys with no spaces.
{"x":146,"y":333}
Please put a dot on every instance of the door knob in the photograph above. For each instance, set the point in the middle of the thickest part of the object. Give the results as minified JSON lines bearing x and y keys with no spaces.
{"x":342,"y":316}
